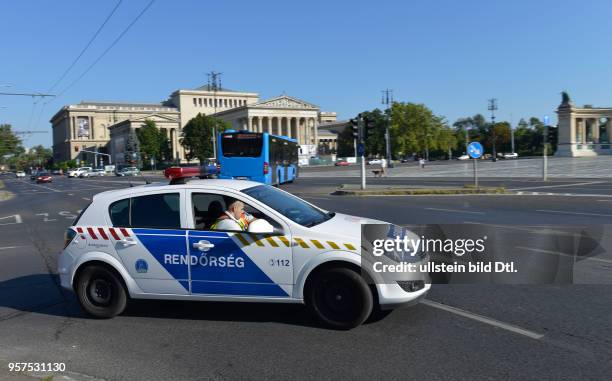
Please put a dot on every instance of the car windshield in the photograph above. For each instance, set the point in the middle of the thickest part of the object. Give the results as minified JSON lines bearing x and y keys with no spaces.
{"x":288,"y":205}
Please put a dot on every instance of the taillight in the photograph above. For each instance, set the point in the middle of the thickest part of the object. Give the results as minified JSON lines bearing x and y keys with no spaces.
{"x":266,"y":168}
{"x":69,"y":235}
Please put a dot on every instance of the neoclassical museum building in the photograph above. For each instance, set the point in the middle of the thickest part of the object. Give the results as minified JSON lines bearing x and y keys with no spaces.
{"x":583,"y":131}
{"x":105,"y":126}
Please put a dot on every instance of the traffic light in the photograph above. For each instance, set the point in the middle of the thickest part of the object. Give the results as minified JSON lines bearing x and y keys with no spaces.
{"x":355,"y":127}
{"x":368,"y":127}
{"x":552,"y":134}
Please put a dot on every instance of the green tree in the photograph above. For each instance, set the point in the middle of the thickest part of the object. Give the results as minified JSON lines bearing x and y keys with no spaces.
{"x":375,"y":142}
{"x":10,"y":144}
{"x":415,"y":129}
{"x":198,"y":134}
{"x":346,"y":141}
{"x":149,"y":139}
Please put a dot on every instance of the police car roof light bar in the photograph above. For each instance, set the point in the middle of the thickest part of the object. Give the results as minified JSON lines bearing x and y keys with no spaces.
{"x":177,"y":175}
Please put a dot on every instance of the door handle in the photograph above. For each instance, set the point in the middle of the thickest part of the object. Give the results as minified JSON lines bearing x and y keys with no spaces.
{"x":203,"y":245}
{"x":128,"y":241}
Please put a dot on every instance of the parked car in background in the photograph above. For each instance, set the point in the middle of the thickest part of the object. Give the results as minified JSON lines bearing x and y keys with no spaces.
{"x":128,"y":171}
{"x":44,"y":177}
{"x":341,"y":163}
{"x":463,"y":157}
{"x":57,"y":172}
{"x":93,"y":173}
{"x":374,"y":162}
{"x":20,"y":174}
{"x":77,"y":172}
{"x":510,"y":155}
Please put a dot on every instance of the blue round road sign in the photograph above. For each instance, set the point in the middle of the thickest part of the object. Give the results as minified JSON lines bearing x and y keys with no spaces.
{"x":475,"y":150}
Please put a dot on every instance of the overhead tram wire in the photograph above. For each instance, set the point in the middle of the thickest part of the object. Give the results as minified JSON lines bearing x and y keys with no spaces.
{"x":107,"y":49}
{"x":91,"y":40}
{"x":78,"y":57}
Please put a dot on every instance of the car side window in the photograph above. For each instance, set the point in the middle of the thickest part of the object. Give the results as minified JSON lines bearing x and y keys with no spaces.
{"x":158,"y":211}
{"x":207,"y":207}
{"x":161,"y":211}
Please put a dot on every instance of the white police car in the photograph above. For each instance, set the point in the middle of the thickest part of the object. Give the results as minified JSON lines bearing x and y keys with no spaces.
{"x":154,"y":242}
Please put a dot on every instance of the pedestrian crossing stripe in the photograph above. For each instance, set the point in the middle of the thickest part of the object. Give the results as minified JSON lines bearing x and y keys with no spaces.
{"x":270,"y":241}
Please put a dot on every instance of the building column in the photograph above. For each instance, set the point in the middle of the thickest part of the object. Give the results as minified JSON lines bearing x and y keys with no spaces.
{"x":315,"y":133}
{"x":596,"y":130}
{"x":582,"y":127}
{"x":249,"y":121}
{"x":572,"y":131}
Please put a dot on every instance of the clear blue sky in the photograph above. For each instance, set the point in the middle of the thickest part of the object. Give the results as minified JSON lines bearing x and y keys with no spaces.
{"x":450,"y":55}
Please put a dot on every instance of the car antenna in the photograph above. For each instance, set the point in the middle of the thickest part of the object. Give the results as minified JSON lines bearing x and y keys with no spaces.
{"x":147,"y":181}
{"x":131,"y":185}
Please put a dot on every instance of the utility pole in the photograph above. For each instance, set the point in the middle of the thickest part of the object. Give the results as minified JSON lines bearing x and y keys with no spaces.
{"x":493,"y":107}
{"x":214,"y":84}
{"x":511,"y":132}
{"x":387,"y":99}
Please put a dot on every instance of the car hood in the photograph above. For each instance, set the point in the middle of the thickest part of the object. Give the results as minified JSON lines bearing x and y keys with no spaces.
{"x":345,"y":225}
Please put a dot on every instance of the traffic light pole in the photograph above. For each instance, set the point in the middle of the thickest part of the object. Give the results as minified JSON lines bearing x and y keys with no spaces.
{"x":362,"y":140}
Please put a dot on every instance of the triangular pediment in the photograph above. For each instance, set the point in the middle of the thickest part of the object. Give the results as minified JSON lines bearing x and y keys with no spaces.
{"x":154,"y":117}
{"x":285,"y":102}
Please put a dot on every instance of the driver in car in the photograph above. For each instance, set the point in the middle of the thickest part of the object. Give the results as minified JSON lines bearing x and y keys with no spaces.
{"x":234,"y":218}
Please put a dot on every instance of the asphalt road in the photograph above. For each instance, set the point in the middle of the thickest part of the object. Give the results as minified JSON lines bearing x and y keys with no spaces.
{"x":460,"y":332}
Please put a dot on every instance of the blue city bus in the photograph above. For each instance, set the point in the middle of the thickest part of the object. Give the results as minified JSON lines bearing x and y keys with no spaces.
{"x":257,"y":156}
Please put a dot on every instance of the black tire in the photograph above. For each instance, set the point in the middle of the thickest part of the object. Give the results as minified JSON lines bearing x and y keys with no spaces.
{"x":101,"y":292}
{"x":340,"y":298}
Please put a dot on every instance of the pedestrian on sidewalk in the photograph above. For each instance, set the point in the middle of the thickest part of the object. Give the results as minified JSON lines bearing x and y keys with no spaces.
{"x":422,"y":163}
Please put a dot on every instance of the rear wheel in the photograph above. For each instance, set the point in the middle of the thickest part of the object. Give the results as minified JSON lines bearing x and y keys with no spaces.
{"x":340,"y":298}
{"x":101,"y":292}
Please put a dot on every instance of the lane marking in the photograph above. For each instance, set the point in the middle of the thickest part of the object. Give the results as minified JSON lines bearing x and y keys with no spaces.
{"x":454,"y":210}
{"x":44,"y":187}
{"x":17,"y":218}
{"x":563,"y":254}
{"x":86,"y":198}
{"x":483,"y":319}
{"x":560,"y":185}
{"x":9,"y":247}
{"x":575,"y":213}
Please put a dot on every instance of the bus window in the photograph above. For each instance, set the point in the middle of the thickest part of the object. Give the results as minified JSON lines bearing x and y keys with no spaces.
{"x":241,"y":145}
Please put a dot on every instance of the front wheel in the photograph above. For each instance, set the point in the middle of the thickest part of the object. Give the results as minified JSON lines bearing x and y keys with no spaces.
{"x":340,"y":298}
{"x":101,"y":292}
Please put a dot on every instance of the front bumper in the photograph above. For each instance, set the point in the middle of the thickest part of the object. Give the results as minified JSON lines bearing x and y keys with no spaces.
{"x":392,"y":296}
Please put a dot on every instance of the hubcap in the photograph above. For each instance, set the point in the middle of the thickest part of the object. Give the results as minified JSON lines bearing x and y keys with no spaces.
{"x":100,"y":291}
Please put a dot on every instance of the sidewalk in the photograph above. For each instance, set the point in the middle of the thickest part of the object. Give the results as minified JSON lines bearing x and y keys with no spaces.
{"x":394,"y":190}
